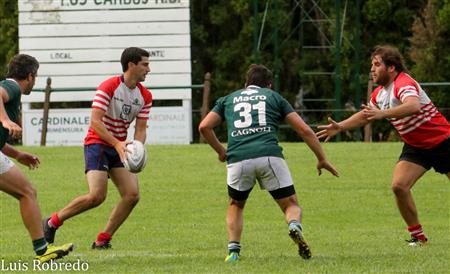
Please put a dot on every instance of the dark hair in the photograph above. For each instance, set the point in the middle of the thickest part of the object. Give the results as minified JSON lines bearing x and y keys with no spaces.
{"x":132,"y":54}
{"x":21,"y":66}
{"x":259,"y":75}
{"x":391,"y":56}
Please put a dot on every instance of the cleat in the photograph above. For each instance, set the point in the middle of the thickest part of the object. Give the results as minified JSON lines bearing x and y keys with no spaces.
{"x":303,"y":248}
{"x":54,"y":252}
{"x":49,"y":232}
{"x":416,"y":242}
{"x":232,"y":257}
{"x":105,"y":245}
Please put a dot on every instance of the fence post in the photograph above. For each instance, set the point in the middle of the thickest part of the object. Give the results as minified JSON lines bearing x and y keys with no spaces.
{"x":368,"y":127}
{"x":205,"y":102}
{"x":48,"y":89}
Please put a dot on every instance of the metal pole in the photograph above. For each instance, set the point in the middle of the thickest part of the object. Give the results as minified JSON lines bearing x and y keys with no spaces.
{"x":276,"y":80}
{"x":205,"y":102}
{"x":206,"y":92}
{"x":301,"y":41}
{"x":368,"y":127}
{"x":256,"y":58}
{"x":48,"y":90}
{"x":357,"y":61}
{"x":338,"y":79}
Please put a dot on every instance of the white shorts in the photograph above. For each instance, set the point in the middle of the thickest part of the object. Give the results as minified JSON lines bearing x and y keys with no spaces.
{"x":5,"y":163}
{"x":272,"y":173}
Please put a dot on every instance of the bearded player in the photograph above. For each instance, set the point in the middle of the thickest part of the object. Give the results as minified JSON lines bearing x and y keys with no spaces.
{"x":425,"y":131}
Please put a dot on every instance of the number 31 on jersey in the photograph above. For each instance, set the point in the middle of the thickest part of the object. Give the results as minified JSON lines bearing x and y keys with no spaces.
{"x":245,"y":109}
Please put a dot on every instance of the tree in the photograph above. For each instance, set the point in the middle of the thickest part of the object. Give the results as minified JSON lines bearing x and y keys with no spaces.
{"x":223,"y":42}
{"x":8,"y":33}
{"x":430,"y":52}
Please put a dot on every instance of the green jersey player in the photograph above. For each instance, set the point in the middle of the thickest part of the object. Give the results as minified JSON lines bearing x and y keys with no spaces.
{"x":22,"y":72}
{"x":253,"y":115}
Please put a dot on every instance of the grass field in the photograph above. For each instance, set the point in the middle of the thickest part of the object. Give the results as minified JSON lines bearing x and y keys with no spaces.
{"x":351,"y":222}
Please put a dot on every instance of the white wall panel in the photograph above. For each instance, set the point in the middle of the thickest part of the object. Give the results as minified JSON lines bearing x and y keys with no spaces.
{"x":105,"y":55}
{"x":152,"y":79}
{"x":79,"y":43}
{"x":94,"y":16}
{"x":105,"y":42}
{"x":58,"y":5}
{"x":101,"y":68}
{"x":70,"y":96}
{"x":98,"y":29}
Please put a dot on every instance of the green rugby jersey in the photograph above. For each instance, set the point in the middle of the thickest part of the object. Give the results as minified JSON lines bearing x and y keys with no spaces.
{"x":253,"y":116}
{"x":12,"y":107}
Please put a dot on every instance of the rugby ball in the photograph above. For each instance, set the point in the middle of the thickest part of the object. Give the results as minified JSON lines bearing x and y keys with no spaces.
{"x":136,"y":157}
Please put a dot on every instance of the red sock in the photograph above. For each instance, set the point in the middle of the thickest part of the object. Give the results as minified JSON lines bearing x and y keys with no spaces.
{"x":54,"y":221}
{"x":417,"y":232}
{"x":103,"y":237}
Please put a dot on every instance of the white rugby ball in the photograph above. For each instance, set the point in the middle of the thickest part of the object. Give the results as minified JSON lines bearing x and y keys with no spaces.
{"x":136,"y":157}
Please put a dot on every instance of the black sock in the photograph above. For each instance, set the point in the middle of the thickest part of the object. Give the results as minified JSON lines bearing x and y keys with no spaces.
{"x":234,"y":246}
{"x":40,"y":246}
{"x":295,"y":223}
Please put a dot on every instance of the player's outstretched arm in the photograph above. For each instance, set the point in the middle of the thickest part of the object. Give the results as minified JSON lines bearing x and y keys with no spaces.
{"x":328,"y":131}
{"x":410,"y":106}
{"x":206,"y":129}
{"x":308,"y":135}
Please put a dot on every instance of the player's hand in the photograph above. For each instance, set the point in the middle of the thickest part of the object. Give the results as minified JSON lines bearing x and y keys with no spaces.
{"x":329,"y":130}
{"x":328,"y":166}
{"x":121,"y":148}
{"x":29,"y":160}
{"x":372,"y":113}
{"x":14,"y":129}
{"x":222,"y":156}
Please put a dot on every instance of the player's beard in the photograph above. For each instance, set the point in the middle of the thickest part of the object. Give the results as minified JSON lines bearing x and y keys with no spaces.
{"x":381,"y":79}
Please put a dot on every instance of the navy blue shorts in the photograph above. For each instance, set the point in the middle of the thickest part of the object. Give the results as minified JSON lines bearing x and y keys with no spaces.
{"x":437,"y":157}
{"x":100,"y":157}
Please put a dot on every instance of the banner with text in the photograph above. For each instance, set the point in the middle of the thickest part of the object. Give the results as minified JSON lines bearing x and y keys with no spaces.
{"x":68,"y":127}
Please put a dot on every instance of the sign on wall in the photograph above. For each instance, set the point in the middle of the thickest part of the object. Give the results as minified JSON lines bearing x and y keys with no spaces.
{"x":68,"y":127}
{"x":64,"y":128}
{"x":79,"y":42}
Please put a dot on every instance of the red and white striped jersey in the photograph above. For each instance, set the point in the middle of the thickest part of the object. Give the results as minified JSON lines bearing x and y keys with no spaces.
{"x":121,"y":105}
{"x":423,"y":130}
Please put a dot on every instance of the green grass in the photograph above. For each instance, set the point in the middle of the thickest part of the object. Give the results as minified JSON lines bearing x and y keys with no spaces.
{"x":351,"y":222}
